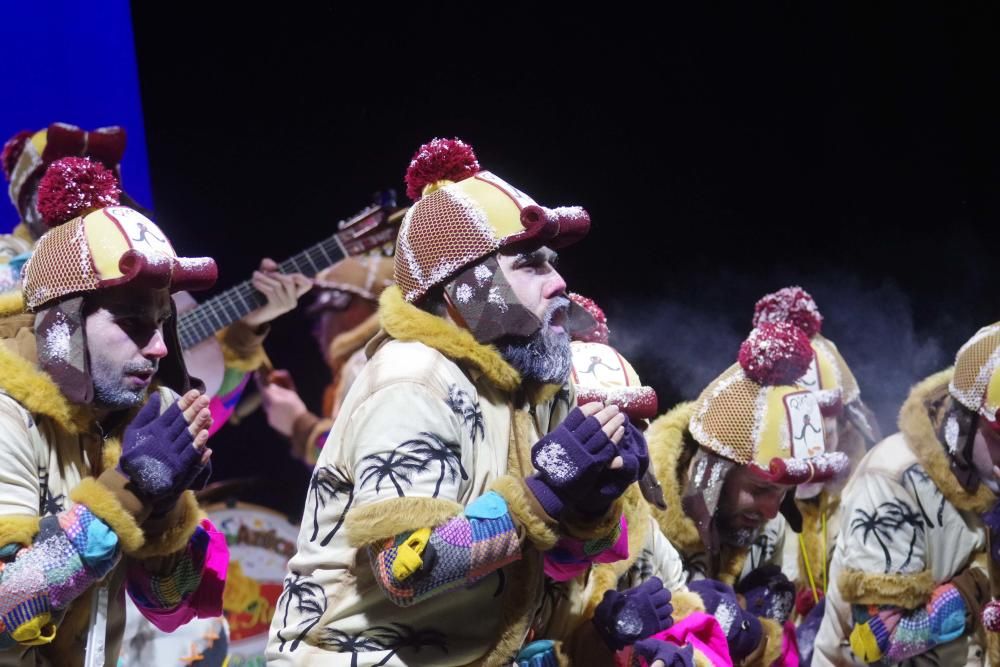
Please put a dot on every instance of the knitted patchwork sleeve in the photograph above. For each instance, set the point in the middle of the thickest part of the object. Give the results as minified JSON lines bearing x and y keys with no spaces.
{"x":185,"y":585}
{"x":70,"y":552}
{"x":415,"y":566}
{"x":893,"y":634}
{"x":572,"y":556}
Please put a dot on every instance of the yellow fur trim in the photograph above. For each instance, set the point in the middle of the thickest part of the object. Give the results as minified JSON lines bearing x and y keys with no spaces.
{"x":110,"y":453}
{"x":686,"y":603}
{"x":347,"y":343}
{"x":242,"y":350}
{"x":103,"y":503}
{"x":171,"y":538}
{"x":404,"y":321}
{"x":539,"y":529}
{"x":603,"y":578}
{"x":773,"y":635}
{"x":993,"y":647}
{"x":35,"y":390}
{"x":18,"y":528}
{"x":701,"y":660}
{"x":908,"y":591}
{"x":387,"y":518}
{"x":731,"y":566}
{"x":812,"y":536}
{"x":665,"y":439}
{"x":919,"y":431}
{"x":542,"y":393}
{"x":11,"y":303}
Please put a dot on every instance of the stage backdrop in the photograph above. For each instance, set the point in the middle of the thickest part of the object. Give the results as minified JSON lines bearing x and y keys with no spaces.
{"x":72,"y":62}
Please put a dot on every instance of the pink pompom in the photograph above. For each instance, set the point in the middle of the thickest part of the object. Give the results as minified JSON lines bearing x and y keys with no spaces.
{"x":74,"y":185}
{"x":776,"y":354}
{"x":599,"y":334}
{"x":789,"y":304}
{"x":12,"y":151}
{"x":439,"y":159}
{"x":991,"y":616}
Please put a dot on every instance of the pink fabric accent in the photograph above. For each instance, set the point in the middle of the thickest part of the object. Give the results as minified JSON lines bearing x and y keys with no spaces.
{"x":206,"y":602}
{"x":698,"y":629}
{"x":572,"y":561}
{"x":789,"y":647}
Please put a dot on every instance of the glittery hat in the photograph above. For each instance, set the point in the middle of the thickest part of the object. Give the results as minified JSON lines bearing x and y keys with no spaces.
{"x":600,"y":373}
{"x":976,"y":380}
{"x":828,"y":374}
{"x":462,"y":214}
{"x":755,"y":414}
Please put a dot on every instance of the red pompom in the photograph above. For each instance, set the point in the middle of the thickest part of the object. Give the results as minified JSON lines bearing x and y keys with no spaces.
{"x":12,"y":151}
{"x":789,"y":304}
{"x":599,"y":334}
{"x":73,"y":185}
{"x":804,"y":601}
{"x":439,"y":159}
{"x":776,"y":354}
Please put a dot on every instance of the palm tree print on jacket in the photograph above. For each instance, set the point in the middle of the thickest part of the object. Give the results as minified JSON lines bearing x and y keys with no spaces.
{"x":309,"y":599}
{"x":884,"y":522}
{"x":432,"y":449}
{"x":327,"y":483}
{"x":396,"y":466}
{"x":916,"y":476}
{"x":467,"y":410}
{"x":393,"y":637}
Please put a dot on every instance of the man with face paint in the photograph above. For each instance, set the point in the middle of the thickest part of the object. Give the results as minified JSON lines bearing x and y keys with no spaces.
{"x":912,"y":570}
{"x":729,"y":464}
{"x":457,"y":457}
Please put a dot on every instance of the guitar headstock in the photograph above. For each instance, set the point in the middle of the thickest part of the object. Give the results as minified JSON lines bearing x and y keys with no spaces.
{"x":373,"y":227}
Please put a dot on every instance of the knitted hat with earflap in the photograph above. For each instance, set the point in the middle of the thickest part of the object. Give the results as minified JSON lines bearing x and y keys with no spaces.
{"x":95,"y":244}
{"x":462,"y":216}
{"x":27,"y":155}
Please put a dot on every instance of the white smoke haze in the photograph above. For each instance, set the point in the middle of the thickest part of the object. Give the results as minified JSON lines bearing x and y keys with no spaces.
{"x":680,"y":345}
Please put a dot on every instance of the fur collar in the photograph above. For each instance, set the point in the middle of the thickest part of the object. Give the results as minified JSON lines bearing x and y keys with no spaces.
{"x":666,"y":441}
{"x":20,"y":377}
{"x":347,"y":343}
{"x":915,"y":423}
{"x":406,"y":322}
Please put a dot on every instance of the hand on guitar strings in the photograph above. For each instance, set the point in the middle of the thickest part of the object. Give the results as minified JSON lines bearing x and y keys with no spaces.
{"x":282,"y":292}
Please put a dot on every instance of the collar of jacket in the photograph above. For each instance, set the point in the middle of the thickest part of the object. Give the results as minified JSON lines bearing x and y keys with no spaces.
{"x":404,"y":321}
{"x":20,"y":377}
{"x":666,"y":438}
{"x":926,"y":402}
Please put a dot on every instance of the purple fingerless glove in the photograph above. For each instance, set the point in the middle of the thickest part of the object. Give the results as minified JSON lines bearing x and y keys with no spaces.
{"x":611,"y":484}
{"x":743,"y":629}
{"x":158,"y":455}
{"x":569,"y":461}
{"x":624,"y":618}
{"x":672,"y":655}
{"x":768,"y":593}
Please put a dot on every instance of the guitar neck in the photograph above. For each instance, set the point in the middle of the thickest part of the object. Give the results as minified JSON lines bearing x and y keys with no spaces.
{"x":235,"y":303}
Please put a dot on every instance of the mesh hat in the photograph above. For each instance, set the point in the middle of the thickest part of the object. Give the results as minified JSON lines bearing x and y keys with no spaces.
{"x":365,"y":276}
{"x":828,"y":374}
{"x":463,"y":214}
{"x":976,"y":382}
{"x":27,"y":154}
{"x":600,"y":373}
{"x":755,"y":414}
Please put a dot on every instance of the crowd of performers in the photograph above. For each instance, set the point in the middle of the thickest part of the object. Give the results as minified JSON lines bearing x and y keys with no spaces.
{"x":491,"y":482}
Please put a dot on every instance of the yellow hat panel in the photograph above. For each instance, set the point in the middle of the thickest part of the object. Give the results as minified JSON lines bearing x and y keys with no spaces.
{"x":600,"y":366}
{"x":501,"y":202}
{"x":792,"y":426}
{"x":991,"y":402}
{"x":114,"y":230}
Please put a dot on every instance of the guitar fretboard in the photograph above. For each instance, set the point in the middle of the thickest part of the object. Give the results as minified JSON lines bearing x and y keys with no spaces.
{"x":236,"y":302}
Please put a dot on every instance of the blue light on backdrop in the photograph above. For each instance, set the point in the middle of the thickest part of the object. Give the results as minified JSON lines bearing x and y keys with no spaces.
{"x":73,"y":62}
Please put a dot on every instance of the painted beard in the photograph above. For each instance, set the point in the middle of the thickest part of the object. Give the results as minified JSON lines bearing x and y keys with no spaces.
{"x":741,"y":536}
{"x":545,"y":355}
{"x":110,"y":391}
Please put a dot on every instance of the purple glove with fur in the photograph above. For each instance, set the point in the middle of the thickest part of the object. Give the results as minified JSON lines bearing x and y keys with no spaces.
{"x":158,"y":455}
{"x":669,"y":655}
{"x":743,"y":629}
{"x":768,"y":593}
{"x":624,"y":618}
{"x":569,"y":461}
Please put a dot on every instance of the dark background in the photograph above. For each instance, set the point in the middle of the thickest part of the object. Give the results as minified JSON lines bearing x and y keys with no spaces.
{"x":722,"y":153}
